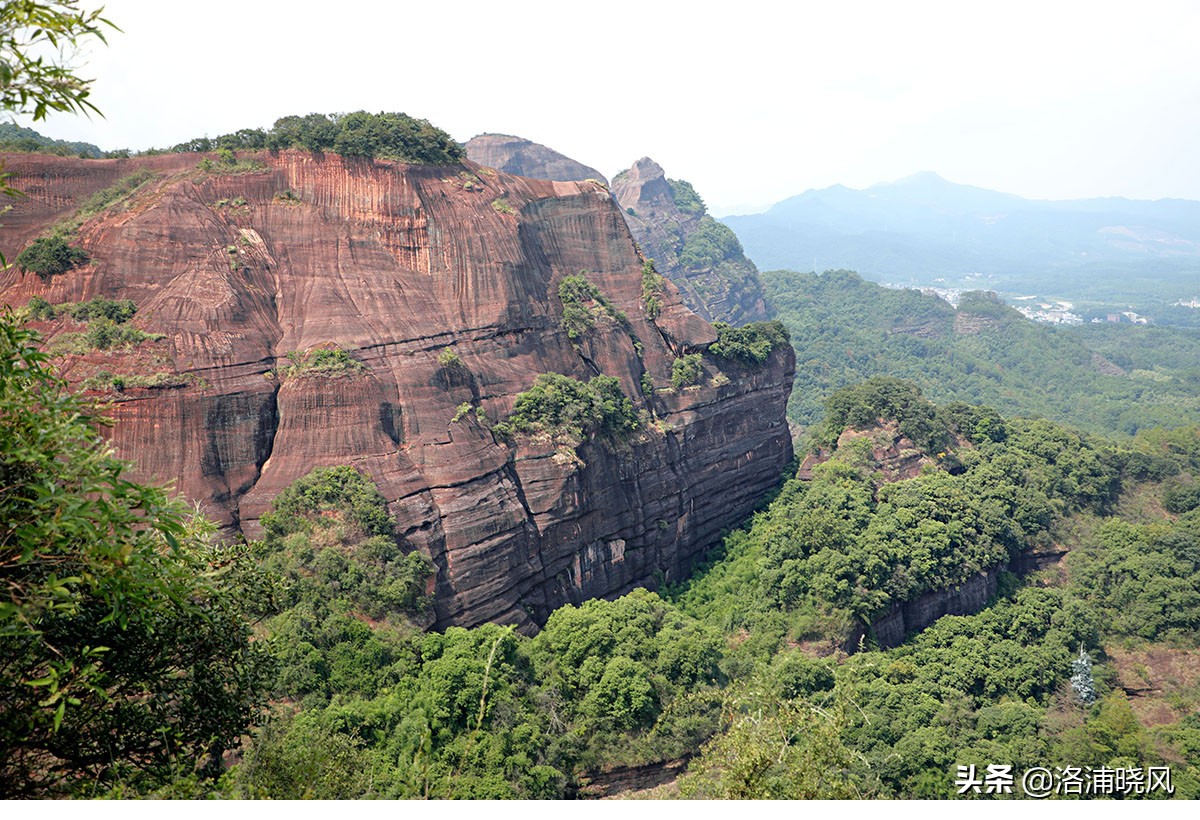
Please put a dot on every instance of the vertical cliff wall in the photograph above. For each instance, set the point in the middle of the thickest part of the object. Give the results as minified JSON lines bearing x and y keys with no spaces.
{"x":441,"y":283}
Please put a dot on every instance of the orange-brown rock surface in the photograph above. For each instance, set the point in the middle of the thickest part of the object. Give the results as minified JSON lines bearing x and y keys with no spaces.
{"x":397,"y":264}
{"x":516,"y":155}
{"x":700,"y":255}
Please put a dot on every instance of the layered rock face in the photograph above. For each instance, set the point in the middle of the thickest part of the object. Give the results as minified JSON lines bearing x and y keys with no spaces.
{"x":441,"y":283}
{"x":524,"y":158}
{"x":700,"y":255}
{"x":910,"y":617}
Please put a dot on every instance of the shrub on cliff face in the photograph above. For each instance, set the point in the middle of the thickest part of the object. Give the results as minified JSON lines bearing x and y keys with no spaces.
{"x":50,"y":256}
{"x":582,"y":303}
{"x":686,"y":371}
{"x":751,"y":343}
{"x":562,"y":407}
{"x":322,"y":361}
{"x":653,"y":285}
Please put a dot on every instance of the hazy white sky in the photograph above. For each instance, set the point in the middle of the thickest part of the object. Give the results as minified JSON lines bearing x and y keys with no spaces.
{"x":752,"y":103}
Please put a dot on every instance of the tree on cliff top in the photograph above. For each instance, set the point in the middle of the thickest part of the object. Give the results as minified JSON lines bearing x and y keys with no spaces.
{"x":387,"y":135}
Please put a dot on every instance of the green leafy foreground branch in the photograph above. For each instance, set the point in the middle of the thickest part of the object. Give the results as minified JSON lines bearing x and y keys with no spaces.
{"x":124,"y":655}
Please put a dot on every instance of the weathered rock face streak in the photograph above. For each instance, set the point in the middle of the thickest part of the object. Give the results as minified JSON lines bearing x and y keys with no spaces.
{"x":702,"y":257}
{"x":515,"y":155}
{"x":398,"y":264}
{"x":704,"y":260}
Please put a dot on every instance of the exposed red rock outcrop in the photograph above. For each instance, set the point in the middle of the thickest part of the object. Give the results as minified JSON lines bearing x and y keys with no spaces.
{"x":397,"y":264}
{"x":715,"y":279}
{"x":515,"y":155}
{"x":700,"y":255}
{"x":890,"y":456}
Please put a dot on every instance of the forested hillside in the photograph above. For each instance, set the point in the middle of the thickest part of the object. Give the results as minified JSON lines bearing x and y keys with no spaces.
{"x":1109,"y":379}
{"x":1102,"y":255}
{"x":766,"y":675}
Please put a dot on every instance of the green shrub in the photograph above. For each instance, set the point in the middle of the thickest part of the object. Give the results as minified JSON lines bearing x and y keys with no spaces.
{"x":448,"y":358}
{"x":582,"y":302}
{"x":563,"y":407}
{"x":50,"y":256}
{"x":751,"y":343}
{"x":647,"y":385}
{"x":653,"y":286}
{"x":40,"y":310}
{"x":118,"y":312}
{"x":310,"y":502}
{"x":687,"y":370}
{"x":103,"y":334}
{"x":708,"y":245}
{"x":685,"y":197}
{"x":322,"y":361}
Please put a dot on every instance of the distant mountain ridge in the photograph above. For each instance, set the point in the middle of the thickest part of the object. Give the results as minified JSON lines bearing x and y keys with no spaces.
{"x":923,"y":228}
{"x":14,"y":137}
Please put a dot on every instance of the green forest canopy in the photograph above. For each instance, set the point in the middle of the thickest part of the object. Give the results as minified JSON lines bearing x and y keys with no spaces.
{"x":359,"y":134}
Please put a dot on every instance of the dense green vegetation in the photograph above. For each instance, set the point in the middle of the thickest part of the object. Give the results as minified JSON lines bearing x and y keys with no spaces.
{"x":106,"y":321}
{"x":833,"y":552}
{"x":685,"y":197}
{"x":842,"y":547}
{"x":116,"y":311}
{"x":562,"y":408}
{"x":750,"y":343}
{"x":687,"y":370}
{"x":359,"y":134}
{"x":708,"y":245}
{"x":864,"y":405}
{"x":582,"y":304}
{"x":1107,"y":379}
{"x":15,"y":138}
{"x":49,"y":256}
{"x":726,"y":664}
{"x":374,"y":707}
{"x":487,"y":713}
{"x":126,"y":650}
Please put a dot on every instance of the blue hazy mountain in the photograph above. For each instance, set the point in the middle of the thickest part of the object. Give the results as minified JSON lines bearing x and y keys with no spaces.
{"x":926,"y":230}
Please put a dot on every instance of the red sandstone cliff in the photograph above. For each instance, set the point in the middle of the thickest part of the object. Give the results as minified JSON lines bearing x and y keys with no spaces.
{"x":700,"y":255}
{"x":397,"y":264}
{"x":515,"y":155}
